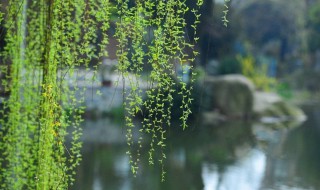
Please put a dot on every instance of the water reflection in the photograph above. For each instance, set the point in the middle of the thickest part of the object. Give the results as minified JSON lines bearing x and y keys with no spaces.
{"x":246,"y":173}
{"x":231,"y":156}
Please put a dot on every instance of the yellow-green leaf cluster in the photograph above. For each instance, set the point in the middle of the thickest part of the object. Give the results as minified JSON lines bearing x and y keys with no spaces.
{"x":153,"y":32}
{"x":47,"y":40}
{"x":225,"y":13}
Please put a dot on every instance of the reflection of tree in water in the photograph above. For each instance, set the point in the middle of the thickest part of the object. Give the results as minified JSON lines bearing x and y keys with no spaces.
{"x":295,"y":162}
{"x":227,"y":148}
{"x":220,"y":145}
{"x":97,"y":168}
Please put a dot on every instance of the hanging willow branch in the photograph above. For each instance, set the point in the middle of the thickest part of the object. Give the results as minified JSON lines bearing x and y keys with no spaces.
{"x":225,"y":13}
{"x":46,"y":41}
{"x":165,"y":21}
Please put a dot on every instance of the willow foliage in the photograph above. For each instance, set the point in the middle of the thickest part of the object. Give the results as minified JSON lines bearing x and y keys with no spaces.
{"x":167,"y":48}
{"x":225,"y":13}
{"x":46,"y":41}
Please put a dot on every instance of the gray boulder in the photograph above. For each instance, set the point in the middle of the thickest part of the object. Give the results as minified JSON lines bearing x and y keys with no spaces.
{"x":270,"y":108}
{"x":230,"y":95}
{"x":234,"y":97}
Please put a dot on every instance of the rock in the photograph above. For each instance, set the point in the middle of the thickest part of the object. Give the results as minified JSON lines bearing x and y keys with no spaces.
{"x":269,"y":108}
{"x":231,"y":95}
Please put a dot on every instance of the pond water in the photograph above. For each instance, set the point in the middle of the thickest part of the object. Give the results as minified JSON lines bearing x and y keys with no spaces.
{"x":229,"y":156}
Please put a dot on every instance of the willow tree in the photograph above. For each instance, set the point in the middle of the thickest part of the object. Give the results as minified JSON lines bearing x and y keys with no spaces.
{"x":46,"y":41}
